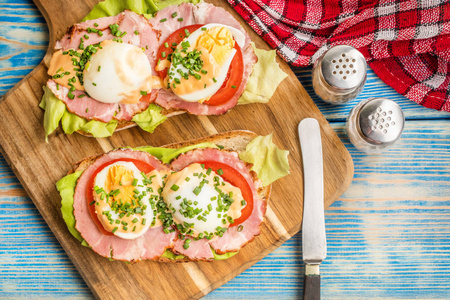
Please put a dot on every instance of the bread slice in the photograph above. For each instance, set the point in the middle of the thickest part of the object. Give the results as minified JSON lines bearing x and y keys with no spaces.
{"x":236,"y":140}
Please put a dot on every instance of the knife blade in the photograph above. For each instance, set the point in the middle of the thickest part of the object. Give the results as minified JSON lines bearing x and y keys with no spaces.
{"x":313,"y":227}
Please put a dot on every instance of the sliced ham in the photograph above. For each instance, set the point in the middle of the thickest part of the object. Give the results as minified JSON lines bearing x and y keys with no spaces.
{"x":150,"y":245}
{"x":91,"y":109}
{"x":202,"y":13}
{"x":233,"y":239}
{"x":128,"y":21}
{"x":198,"y":250}
{"x":85,"y":107}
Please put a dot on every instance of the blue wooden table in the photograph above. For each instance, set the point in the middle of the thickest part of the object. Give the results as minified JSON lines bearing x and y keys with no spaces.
{"x":388,"y":234}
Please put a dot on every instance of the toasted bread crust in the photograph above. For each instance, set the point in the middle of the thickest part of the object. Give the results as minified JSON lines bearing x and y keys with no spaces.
{"x":236,"y":140}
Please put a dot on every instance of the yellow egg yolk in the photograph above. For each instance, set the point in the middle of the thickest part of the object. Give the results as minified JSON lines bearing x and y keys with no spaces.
{"x":218,"y":41}
{"x":120,"y":178}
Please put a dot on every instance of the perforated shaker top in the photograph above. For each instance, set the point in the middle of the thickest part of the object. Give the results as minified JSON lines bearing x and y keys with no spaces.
{"x":381,"y":121}
{"x":344,"y":67}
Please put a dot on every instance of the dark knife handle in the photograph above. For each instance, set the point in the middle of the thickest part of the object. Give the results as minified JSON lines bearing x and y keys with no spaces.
{"x":311,"y":288}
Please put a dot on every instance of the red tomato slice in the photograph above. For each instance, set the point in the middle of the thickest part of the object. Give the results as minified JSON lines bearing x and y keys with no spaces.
{"x":234,"y":74}
{"x":176,"y":37}
{"x":232,"y":176}
{"x":142,"y":166}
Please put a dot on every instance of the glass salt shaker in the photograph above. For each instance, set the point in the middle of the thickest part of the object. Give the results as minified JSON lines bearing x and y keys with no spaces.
{"x":375,"y":124}
{"x":339,"y":74}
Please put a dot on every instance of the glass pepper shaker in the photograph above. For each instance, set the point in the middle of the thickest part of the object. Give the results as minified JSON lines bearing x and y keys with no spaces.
{"x":339,"y":74}
{"x":375,"y":124}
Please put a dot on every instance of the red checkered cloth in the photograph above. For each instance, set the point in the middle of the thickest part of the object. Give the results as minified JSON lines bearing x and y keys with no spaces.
{"x":407,"y":43}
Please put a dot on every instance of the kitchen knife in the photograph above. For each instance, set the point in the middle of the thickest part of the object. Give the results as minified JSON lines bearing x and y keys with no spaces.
{"x":313,"y":228}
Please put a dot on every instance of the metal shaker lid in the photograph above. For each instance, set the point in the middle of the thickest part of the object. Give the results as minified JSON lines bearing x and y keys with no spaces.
{"x":381,"y":121}
{"x":344,"y":67}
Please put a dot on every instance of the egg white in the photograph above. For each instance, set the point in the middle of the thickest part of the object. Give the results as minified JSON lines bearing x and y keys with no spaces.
{"x":116,"y":72}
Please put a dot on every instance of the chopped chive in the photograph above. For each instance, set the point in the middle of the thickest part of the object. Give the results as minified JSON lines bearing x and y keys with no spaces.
{"x":233,"y":86}
{"x":136,"y":32}
{"x":86,"y":36}
{"x":143,"y":93}
{"x":135,"y":182}
{"x":163,"y":54}
{"x":214,"y":79}
{"x":166,"y":45}
{"x":94,"y":84}
{"x":243,"y":202}
{"x":174,"y":14}
{"x":144,"y":221}
{"x":96,"y":24}
{"x":135,"y":220}
{"x":99,"y":68}
{"x":204,"y":28}
{"x":115,"y":229}
{"x":187,"y":179}
{"x":87,"y":109}
{"x":220,"y":172}
{"x":81,"y":95}
{"x":187,"y":33}
{"x":92,"y":202}
{"x":174,"y":44}
{"x":220,"y":146}
{"x":174,"y":187}
{"x":180,"y":19}
{"x":197,"y":191}
{"x":240,"y":227}
{"x":163,"y":20}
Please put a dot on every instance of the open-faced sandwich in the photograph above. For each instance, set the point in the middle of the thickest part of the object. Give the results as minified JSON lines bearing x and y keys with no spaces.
{"x":133,"y":68}
{"x":198,"y":200}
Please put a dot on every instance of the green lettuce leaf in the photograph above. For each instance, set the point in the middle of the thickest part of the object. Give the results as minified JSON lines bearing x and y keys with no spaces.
{"x":166,"y":155}
{"x":223,"y":256}
{"x":269,"y":162}
{"x":265,"y":78}
{"x":150,"y":118}
{"x":54,"y":111}
{"x":66,"y":188}
{"x":145,"y":7}
{"x":170,"y":255}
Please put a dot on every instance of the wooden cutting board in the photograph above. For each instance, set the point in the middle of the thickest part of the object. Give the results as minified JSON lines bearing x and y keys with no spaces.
{"x":38,"y":165}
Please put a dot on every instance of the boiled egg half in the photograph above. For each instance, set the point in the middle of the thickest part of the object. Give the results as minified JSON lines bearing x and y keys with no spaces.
{"x":202,"y":203}
{"x":118,"y":73}
{"x":123,"y":200}
{"x":201,"y":61}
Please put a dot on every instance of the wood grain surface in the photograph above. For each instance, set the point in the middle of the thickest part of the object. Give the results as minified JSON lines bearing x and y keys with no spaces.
{"x":385,"y":241}
{"x":39,"y":165}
